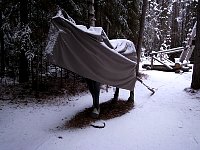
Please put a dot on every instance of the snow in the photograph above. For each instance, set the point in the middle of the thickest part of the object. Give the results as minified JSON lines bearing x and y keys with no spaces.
{"x":121,"y":45}
{"x":167,"y":120}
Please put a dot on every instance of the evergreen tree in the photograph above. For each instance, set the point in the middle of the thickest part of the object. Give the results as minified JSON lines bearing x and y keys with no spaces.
{"x":168,"y":23}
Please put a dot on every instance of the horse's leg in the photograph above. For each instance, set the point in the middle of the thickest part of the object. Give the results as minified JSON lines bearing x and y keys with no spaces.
{"x":96,"y":108}
{"x":116,"y":95}
{"x":94,"y":88}
{"x":131,"y":98}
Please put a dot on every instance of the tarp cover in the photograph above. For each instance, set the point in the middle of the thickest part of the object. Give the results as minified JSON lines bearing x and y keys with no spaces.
{"x":89,"y":53}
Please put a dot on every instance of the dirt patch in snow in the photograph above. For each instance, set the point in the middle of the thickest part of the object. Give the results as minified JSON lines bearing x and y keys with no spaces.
{"x":109,"y":110}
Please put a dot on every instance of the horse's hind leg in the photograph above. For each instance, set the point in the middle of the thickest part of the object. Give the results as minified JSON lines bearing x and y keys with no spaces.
{"x":96,"y":108}
{"x":94,"y":88}
{"x":116,"y":95}
{"x":131,"y":98}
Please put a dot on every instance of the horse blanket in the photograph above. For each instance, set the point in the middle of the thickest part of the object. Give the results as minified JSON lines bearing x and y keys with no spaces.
{"x":89,"y":53}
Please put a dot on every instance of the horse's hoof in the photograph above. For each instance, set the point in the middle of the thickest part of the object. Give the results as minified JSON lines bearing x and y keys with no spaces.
{"x":114,"y":100}
{"x":131,"y":100}
{"x":95,"y":113}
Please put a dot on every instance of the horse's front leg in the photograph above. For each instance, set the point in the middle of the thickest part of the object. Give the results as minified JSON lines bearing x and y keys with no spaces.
{"x":116,"y":95}
{"x":131,"y":98}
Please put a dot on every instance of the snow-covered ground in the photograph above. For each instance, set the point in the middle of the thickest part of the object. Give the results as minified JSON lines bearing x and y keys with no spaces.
{"x":167,"y":120}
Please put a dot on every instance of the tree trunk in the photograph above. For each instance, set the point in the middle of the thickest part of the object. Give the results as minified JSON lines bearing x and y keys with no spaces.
{"x":196,"y":69}
{"x":175,"y":34}
{"x":23,"y":64}
{"x":24,"y":11}
{"x":140,"y":36}
{"x":23,"y":68}
{"x":91,"y":13}
{"x":2,"y":56}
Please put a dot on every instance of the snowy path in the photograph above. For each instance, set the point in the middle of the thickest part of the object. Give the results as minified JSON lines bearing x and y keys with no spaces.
{"x":168,"y":120}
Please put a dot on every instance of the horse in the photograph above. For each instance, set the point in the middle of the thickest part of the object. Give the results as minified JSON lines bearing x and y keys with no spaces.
{"x":64,"y":50}
{"x":94,"y":88}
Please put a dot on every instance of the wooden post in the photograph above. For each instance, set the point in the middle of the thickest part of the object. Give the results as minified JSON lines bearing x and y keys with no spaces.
{"x":151,"y":61}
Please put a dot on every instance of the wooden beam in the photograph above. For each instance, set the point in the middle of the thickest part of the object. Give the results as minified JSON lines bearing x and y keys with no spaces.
{"x":172,"y":50}
{"x":169,"y":67}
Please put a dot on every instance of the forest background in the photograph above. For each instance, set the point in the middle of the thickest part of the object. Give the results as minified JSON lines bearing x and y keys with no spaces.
{"x":25,"y":25}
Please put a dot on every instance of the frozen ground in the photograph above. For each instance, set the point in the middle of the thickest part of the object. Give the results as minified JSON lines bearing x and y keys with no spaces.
{"x":168,"y":120}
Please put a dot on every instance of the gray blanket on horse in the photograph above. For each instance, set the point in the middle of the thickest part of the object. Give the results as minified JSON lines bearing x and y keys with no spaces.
{"x":89,"y":53}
